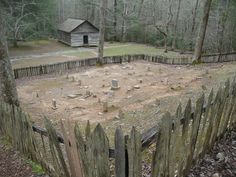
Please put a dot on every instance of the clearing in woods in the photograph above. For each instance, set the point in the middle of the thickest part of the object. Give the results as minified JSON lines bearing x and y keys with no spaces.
{"x":146,"y":91}
{"x":36,"y":53}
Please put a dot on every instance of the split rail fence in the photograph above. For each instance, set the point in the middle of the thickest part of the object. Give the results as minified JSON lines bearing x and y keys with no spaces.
{"x":75,"y":64}
{"x":180,"y":140}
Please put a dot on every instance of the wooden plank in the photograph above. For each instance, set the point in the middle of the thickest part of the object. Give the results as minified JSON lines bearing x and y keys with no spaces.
{"x":194,"y":133}
{"x":134,"y":154}
{"x":221,"y":100}
{"x":176,"y":143}
{"x":71,"y":149}
{"x":119,"y":153}
{"x":58,"y":158}
{"x":97,"y":152}
{"x":160,"y":163}
{"x":204,"y":122}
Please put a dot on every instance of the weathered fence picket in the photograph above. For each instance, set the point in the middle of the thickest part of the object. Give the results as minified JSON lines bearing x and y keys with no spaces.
{"x":119,"y":153}
{"x":134,"y":154}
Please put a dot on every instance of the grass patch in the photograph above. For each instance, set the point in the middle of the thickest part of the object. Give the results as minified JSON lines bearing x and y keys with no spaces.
{"x":128,"y":49}
{"x":67,"y":53}
{"x":36,"y":168}
{"x":84,"y":54}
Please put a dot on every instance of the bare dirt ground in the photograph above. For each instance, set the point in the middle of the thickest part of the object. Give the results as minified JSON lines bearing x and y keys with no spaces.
{"x":221,"y":161}
{"x":159,"y":88}
{"x":13,"y":165}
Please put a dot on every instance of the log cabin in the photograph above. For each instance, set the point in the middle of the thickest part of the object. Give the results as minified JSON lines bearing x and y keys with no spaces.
{"x":78,"y":33}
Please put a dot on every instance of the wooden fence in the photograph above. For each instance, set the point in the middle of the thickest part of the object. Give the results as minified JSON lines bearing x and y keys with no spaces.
{"x":75,"y":64}
{"x":180,"y":140}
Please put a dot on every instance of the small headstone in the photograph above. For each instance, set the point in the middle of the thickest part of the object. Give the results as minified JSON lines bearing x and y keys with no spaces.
{"x":105,"y":106}
{"x":67,"y":76}
{"x":114,"y":84}
{"x":37,"y":95}
{"x":148,"y":68}
{"x":73,"y":78}
{"x":140,"y":81}
{"x":54,"y":104}
{"x":88,"y":92}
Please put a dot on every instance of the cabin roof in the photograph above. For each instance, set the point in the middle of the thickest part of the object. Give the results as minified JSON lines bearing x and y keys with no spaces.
{"x":70,"y":24}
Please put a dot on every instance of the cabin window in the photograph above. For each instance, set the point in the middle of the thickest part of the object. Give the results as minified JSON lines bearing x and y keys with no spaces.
{"x":85,"y":39}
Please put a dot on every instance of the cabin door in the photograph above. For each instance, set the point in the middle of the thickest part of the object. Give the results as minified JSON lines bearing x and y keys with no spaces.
{"x":85,"y":39}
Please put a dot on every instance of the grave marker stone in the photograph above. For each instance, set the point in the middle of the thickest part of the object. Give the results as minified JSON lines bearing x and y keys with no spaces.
{"x":114,"y":84}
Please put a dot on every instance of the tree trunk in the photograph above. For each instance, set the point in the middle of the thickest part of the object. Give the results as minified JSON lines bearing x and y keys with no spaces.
{"x":61,"y":11}
{"x":222,"y":22}
{"x":175,"y":27}
{"x":202,"y":32}
{"x":123,"y":28}
{"x":15,"y":44}
{"x":8,"y":92}
{"x":140,"y":8}
{"x":194,"y":24}
{"x":115,"y":20}
{"x":102,"y":29}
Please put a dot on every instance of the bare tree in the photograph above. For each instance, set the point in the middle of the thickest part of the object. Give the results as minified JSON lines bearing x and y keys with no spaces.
{"x":163,"y":27}
{"x":115,"y":20}
{"x":202,"y":32}
{"x":17,"y":13}
{"x":175,"y":25}
{"x":124,"y":16}
{"x":8,"y":92}
{"x":103,"y":4}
